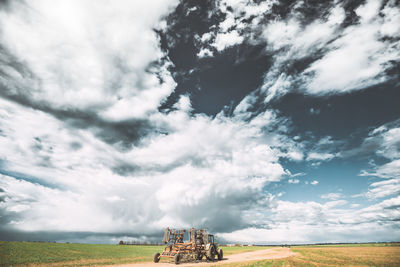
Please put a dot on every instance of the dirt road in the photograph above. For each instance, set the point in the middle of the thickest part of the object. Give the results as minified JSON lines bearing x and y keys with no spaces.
{"x":273,"y":253}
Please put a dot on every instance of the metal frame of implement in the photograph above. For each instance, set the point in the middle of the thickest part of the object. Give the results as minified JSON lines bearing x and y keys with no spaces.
{"x":201,"y":244}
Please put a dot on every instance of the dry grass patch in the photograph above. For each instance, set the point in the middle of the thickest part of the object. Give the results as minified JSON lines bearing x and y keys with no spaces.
{"x":348,"y":256}
{"x":335,"y":256}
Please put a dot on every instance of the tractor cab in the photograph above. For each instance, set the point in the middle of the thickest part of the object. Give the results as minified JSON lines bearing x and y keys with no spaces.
{"x":211,"y":239}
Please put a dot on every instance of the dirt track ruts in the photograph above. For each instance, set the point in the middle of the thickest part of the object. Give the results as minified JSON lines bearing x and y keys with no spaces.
{"x":272,"y":253}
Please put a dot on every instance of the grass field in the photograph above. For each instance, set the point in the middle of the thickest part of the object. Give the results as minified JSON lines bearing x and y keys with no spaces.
{"x":337,"y":255}
{"x":53,"y":254}
{"x":14,"y":253}
{"x":72,"y":254}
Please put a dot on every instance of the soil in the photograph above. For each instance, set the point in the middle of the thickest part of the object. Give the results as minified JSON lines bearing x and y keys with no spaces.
{"x":273,"y":253}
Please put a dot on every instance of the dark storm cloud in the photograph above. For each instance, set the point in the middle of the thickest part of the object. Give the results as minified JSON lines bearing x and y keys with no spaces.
{"x":123,"y":134}
{"x":7,"y":217}
{"x":19,"y":83}
{"x":5,"y":4}
{"x":85,"y":237}
{"x":76,"y":237}
{"x":126,"y":169}
{"x":129,"y":169}
{"x":8,"y":59}
{"x":2,"y":195}
{"x":28,"y":178}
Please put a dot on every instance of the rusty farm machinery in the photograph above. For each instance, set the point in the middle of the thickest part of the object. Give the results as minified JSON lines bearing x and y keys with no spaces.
{"x":201,"y":244}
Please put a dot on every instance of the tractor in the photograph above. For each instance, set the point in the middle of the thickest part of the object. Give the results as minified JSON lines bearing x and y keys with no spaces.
{"x":201,"y":244}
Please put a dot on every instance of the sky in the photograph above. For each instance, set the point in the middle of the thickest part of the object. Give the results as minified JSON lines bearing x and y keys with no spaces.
{"x":266,"y":122}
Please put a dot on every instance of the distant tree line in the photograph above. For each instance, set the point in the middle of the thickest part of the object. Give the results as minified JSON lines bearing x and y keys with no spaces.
{"x":138,"y":243}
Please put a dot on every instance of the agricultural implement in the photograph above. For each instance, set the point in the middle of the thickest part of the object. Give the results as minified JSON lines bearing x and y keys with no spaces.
{"x":201,"y":244}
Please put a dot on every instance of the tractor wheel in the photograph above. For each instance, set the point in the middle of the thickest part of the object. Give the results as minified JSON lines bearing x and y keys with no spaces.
{"x":177,"y":258}
{"x":220,"y":254}
{"x":211,"y":254}
{"x":156,"y":257}
{"x":199,"y":256}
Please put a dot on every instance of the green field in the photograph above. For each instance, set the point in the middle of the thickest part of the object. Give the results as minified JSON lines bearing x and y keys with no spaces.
{"x":14,"y":253}
{"x":72,"y":254}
